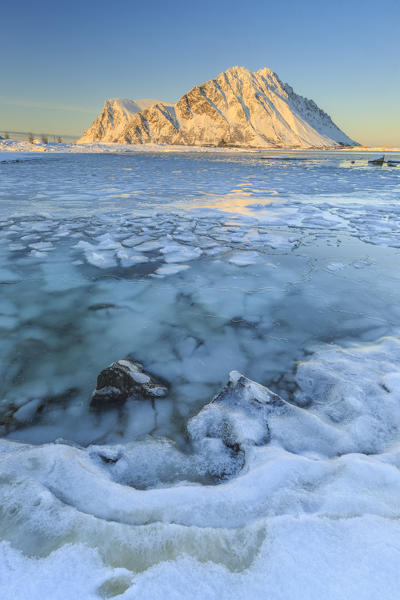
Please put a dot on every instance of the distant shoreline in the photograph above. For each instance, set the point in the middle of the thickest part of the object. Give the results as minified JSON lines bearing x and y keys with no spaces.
{"x":17,"y":146}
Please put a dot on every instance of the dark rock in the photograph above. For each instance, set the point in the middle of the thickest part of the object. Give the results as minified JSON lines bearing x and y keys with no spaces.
{"x":378,"y":162}
{"x":122,"y":380}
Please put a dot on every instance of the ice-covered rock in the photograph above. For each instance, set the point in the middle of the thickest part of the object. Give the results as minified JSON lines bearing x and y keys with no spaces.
{"x":238,"y":415}
{"x":246,"y":414}
{"x":122,"y":380}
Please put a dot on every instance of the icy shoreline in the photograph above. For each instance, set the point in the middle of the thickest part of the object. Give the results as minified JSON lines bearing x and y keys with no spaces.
{"x":7,"y":146}
{"x":73,"y":520}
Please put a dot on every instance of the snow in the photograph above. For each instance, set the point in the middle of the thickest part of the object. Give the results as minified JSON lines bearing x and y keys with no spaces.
{"x":28,"y":149}
{"x":229,"y":492}
{"x":114,"y":117}
{"x":340,"y":509}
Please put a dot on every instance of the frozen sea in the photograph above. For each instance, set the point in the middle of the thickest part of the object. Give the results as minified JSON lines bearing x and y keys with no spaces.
{"x":280,"y":266}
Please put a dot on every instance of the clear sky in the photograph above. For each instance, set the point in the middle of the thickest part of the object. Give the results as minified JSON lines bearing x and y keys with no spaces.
{"x":61,"y":60}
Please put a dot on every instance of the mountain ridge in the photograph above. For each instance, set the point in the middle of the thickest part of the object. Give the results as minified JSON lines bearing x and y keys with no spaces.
{"x":114,"y":116}
{"x":238,"y":108}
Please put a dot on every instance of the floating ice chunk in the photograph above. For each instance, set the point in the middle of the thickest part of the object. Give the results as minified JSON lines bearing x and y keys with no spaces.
{"x":30,"y":238}
{"x":149,"y":246}
{"x":107,"y":242}
{"x":171,"y":269}
{"x":175,"y":253}
{"x":101,"y":259}
{"x":207,"y":243}
{"x":38,"y":254}
{"x":42,"y":246}
{"x":16,"y":247}
{"x":276,"y":241}
{"x":84,"y":245}
{"x":134,"y":240}
{"x":129,"y":257}
{"x":42,"y":227}
{"x":63,"y":231}
{"x":186,"y":237}
{"x":243,"y":259}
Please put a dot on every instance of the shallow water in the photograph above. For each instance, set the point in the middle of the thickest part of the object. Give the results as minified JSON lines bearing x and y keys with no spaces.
{"x":80,"y":289}
{"x":283,"y":267}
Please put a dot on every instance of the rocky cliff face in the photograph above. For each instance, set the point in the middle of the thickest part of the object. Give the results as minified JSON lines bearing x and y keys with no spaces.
{"x":111,"y":122}
{"x":238,"y":108}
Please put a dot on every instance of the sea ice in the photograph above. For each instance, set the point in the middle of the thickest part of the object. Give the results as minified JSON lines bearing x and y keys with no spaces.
{"x":8,"y":276}
{"x":171,"y":269}
{"x":244,"y":259}
{"x":216,"y":486}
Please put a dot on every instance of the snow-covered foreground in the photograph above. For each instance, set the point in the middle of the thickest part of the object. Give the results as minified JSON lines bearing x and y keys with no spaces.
{"x":284,"y":269}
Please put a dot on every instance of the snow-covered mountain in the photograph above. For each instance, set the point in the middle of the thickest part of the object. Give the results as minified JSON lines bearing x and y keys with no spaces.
{"x":238,"y":108}
{"x":111,"y":122}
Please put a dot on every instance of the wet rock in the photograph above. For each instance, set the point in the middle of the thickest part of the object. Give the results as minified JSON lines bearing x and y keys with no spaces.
{"x":122,"y":380}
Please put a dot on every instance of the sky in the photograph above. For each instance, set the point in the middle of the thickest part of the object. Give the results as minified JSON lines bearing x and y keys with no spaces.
{"x":61,"y":60}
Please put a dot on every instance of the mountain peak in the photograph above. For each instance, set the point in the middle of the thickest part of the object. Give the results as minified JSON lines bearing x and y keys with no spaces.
{"x":116,"y":114}
{"x":238,"y":108}
{"x":237,"y":71}
{"x":266,"y":72}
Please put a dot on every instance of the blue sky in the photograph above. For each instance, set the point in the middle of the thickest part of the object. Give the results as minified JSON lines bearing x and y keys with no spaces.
{"x":61,"y":60}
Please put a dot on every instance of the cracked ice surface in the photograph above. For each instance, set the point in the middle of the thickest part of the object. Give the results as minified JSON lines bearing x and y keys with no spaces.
{"x":284,"y":270}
